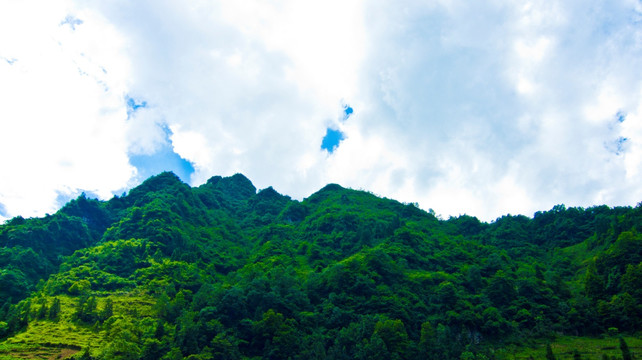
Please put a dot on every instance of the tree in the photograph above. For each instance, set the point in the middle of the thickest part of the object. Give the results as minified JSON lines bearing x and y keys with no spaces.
{"x":42,"y":311}
{"x":86,"y":355}
{"x":549,"y":353}
{"x":19,"y":317}
{"x":501,"y":289}
{"x":494,"y":323}
{"x":107,"y":311}
{"x":593,"y":283}
{"x":276,"y":335}
{"x":631,"y":281}
{"x":375,"y":349}
{"x":54,"y":310}
{"x":447,"y":294}
{"x":162,"y":306}
{"x":123,"y":336}
{"x":152,"y":350}
{"x":13,"y":284}
{"x":86,"y":309}
{"x":427,"y":340}
{"x":225,"y":348}
{"x":79,"y":287}
{"x":160,"y":330}
{"x":4,"y":329}
{"x":393,"y":333}
{"x":474,"y":279}
{"x":576,"y":355}
{"x":626,"y":353}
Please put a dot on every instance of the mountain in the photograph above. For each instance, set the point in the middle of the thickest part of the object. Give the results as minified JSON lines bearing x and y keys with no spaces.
{"x":223,"y":271}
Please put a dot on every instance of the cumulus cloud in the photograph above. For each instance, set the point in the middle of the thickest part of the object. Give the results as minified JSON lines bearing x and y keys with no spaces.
{"x":508,"y":107}
{"x":245,"y":88}
{"x":61,"y":117}
{"x":479,"y":108}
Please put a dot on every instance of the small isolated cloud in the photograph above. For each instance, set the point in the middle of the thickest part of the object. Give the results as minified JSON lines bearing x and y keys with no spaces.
{"x":133,"y":105}
{"x":71,"y":21}
{"x":617,"y":146}
{"x":9,"y":61}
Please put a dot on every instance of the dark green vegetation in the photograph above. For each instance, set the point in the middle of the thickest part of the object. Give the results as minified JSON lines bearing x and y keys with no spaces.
{"x":222,"y":271}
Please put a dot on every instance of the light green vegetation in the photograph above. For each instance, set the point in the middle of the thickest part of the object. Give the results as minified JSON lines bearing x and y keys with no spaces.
{"x":64,"y":335}
{"x":564,"y":347}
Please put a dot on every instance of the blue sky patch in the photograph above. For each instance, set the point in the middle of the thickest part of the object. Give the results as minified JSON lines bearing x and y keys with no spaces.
{"x":331,"y":140}
{"x":62,"y":197}
{"x":620,"y":116}
{"x":163,"y":160}
{"x":347,"y":111}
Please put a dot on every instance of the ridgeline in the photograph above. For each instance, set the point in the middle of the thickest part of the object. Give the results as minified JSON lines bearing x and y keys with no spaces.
{"x":223,"y":271}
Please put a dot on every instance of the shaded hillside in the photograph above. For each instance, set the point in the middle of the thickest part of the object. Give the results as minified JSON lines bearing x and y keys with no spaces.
{"x":223,"y":271}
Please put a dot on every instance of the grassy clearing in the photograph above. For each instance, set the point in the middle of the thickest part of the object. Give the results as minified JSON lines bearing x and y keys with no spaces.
{"x":36,"y":352}
{"x":45,"y":339}
{"x":564,"y":346}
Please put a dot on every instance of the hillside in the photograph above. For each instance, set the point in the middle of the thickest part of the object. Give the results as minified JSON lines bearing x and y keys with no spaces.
{"x":223,"y":271}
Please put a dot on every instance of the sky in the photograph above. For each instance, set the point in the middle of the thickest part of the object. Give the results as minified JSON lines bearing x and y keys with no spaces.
{"x":482,"y":108}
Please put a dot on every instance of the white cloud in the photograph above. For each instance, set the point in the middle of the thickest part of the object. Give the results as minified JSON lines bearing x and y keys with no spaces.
{"x":515,"y":104}
{"x":253,"y":88}
{"x":480,"y":108}
{"x":323,"y":41}
{"x":61,"y":117}
{"x":145,"y":133}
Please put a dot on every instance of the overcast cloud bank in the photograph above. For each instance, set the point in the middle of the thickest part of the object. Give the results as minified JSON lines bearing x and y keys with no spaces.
{"x":485,"y":109}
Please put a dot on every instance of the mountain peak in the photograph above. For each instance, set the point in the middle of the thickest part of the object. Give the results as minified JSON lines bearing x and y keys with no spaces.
{"x":162,"y":181}
{"x":236,"y":186}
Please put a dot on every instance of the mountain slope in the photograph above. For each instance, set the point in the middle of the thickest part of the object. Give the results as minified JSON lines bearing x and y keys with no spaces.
{"x":223,"y":271}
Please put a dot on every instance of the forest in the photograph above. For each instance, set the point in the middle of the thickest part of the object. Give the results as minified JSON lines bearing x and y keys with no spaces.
{"x":227,"y":271}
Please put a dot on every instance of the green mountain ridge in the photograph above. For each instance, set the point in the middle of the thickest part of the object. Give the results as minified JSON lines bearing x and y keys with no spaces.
{"x":226,"y":271}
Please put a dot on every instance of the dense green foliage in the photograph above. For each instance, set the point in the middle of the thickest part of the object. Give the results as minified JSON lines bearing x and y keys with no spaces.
{"x":222,"y":271}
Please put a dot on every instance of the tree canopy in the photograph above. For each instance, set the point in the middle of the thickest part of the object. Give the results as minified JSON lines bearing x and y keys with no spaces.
{"x":223,"y":271}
